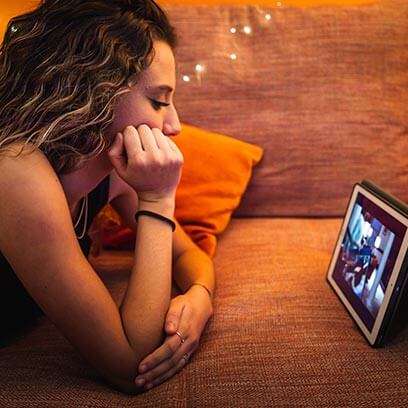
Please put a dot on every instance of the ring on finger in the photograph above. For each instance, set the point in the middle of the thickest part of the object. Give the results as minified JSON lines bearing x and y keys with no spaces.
{"x":181,"y":337}
{"x":171,"y":372}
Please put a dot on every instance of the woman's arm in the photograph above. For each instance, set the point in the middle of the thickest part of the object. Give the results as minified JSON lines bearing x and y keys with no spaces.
{"x":38,"y":239}
{"x":147,"y":298}
{"x":190,"y":263}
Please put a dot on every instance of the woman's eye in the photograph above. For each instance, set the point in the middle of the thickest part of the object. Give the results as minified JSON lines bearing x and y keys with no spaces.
{"x":158,"y":105}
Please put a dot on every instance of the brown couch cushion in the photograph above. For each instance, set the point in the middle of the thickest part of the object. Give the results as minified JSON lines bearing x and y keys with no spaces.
{"x":279,"y":336}
{"x":323,"y":90}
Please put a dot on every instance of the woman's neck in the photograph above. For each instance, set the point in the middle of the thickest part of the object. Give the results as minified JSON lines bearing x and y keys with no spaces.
{"x":79,"y":183}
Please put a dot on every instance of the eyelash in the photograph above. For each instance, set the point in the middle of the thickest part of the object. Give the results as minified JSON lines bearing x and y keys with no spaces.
{"x":158,"y":105}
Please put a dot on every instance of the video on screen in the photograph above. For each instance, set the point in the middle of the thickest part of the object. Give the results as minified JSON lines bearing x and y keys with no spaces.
{"x":364,"y":252}
{"x":367,"y":256}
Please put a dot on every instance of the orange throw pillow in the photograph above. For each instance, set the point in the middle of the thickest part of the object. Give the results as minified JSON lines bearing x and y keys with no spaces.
{"x":216,"y":172}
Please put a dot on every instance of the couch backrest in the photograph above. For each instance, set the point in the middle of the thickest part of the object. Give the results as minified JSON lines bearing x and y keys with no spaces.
{"x":324,"y":90}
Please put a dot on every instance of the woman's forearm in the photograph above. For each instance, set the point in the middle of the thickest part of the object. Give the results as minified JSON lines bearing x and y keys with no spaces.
{"x":148,"y":294}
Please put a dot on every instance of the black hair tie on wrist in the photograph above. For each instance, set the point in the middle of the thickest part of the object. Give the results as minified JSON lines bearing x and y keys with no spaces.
{"x":155,"y":215}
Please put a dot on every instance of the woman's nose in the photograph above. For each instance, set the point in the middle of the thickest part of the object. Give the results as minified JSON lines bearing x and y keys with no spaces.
{"x":171,"y":130}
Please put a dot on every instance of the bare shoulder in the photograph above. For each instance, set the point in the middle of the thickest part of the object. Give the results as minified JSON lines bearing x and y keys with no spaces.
{"x":24,"y":167}
{"x":31,"y":193}
{"x":19,"y":150}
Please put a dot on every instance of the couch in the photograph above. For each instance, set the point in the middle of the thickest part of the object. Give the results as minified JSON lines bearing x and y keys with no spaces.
{"x":324,"y":90}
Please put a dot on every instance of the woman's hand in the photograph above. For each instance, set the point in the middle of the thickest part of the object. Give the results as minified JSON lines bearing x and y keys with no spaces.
{"x":148,"y":161}
{"x":189,"y":314}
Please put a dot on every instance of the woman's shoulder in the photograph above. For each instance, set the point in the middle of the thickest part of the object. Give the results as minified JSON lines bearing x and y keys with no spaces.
{"x":18,"y":145}
{"x":20,"y":174}
{"x":22,"y":155}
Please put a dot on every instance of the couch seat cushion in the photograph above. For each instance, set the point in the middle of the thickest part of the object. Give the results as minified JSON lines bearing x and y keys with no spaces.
{"x":279,"y":336}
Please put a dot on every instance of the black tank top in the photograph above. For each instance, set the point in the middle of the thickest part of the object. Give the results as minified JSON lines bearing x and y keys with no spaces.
{"x":17,"y":308}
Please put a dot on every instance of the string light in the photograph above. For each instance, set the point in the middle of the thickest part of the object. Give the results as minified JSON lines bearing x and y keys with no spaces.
{"x":199,"y":68}
{"x":279,"y":4}
{"x":247,"y":30}
{"x":13,"y":29}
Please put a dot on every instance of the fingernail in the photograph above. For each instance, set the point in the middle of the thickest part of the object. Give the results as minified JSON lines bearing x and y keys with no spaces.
{"x":140,"y":381}
{"x":170,"y":326}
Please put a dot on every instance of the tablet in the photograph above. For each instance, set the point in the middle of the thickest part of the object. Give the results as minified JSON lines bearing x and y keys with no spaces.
{"x":369,"y":266}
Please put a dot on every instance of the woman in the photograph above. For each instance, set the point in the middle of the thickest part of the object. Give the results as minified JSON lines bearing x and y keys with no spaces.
{"x":84,"y":118}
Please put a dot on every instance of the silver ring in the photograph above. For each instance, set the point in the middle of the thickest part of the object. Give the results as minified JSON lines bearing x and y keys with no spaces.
{"x":181,"y":337}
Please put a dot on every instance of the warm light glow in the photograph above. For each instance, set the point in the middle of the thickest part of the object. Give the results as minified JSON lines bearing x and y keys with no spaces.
{"x":186,"y":78}
{"x":199,"y":68}
{"x":233,"y":30}
{"x":233,"y":56}
{"x":268,"y":16}
{"x":279,"y":4}
{"x":247,"y":30}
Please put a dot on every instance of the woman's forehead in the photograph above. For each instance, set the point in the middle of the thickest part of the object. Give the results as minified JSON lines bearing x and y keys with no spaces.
{"x":163,"y":63}
{"x":161,"y":73}
{"x":159,"y":82}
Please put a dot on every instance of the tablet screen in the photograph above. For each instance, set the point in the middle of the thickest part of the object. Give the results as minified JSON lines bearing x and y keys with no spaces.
{"x":369,"y":249}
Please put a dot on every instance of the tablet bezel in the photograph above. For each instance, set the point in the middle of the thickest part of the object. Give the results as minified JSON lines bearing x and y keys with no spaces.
{"x":370,"y":336}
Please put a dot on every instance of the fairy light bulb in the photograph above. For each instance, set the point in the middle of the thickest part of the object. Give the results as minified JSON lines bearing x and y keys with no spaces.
{"x":233,"y":30}
{"x":186,"y":78}
{"x":247,"y":29}
{"x":268,"y":17}
{"x":233,"y":56}
{"x":199,"y":69}
{"x":13,"y":29}
{"x":279,"y":4}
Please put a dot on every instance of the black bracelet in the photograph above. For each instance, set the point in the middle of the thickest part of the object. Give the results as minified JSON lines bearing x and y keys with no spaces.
{"x":155,"y":215}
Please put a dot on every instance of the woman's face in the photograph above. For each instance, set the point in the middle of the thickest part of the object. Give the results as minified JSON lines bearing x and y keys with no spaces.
{"x":138,"y":106}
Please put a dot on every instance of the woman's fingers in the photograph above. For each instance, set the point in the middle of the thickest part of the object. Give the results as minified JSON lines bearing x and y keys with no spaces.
{"x":168,"y":356}
{"x":175,"y":148}
{"x":160,"y":139}
{"x":165,"y":351}
{"x":115,"y":154}
{"x":147,"y":137}
{"x":171,"y":366}
{"x":131,"y":140}
{"x":162,"y":360}
{"x":180,"y":363}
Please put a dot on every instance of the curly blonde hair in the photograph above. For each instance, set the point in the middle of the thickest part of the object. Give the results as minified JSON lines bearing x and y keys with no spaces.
{"x":62,"y":66}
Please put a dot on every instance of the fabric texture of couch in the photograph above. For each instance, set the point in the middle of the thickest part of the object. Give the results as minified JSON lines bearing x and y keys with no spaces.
{"x":324,"y":91}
